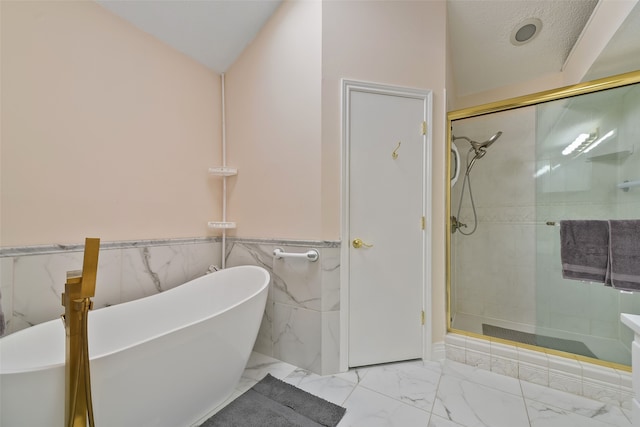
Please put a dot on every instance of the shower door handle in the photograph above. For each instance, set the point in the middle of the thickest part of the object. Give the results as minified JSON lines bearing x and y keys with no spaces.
{"x":456,"y":164}
{"x":358,"y":243}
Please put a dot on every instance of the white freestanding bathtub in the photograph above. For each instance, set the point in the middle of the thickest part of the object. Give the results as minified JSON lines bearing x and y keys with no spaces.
{"x":164,"y":360}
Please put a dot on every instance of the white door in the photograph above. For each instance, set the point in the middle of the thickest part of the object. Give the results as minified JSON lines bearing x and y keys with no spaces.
{"x":386,"y":143}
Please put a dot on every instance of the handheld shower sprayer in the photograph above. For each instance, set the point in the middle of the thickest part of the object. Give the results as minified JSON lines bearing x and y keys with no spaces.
{"x":482,"y":146}
{"x":479,"y":149}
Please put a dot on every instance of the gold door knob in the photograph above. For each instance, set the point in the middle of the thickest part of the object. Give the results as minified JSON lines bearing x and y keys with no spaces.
{"x":358,"y":243}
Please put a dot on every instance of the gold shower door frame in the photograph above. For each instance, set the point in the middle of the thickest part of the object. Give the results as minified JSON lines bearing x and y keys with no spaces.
{"x":505,"y":105}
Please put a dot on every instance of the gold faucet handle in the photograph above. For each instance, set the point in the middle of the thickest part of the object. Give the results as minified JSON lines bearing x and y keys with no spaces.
{"x":358,"y":243}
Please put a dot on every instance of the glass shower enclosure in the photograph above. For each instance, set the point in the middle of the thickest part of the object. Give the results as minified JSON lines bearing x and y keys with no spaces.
{"x":559,"y":157}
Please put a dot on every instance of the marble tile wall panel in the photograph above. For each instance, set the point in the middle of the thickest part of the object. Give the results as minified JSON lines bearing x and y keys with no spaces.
{"x":33,"y":279}
{"x":297,"y":282}
{"x":260,"y":254}
{"x":301,"y":323}
{"x":39,"y":281}
{"x":152,"y":269}
{"x":6,"y":294}
{"x":330,"y":266}
{"x":264,"y":340}
{"x":330,"y":342}
{"x":250,"y":253}
{"x":297,"y":336}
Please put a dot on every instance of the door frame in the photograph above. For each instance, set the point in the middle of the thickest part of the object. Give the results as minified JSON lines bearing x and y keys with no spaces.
{"x":426,"y":96}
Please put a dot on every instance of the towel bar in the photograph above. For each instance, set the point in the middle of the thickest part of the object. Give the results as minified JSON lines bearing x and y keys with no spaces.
{"x":624,"y":186}
{"x":312,"y":254}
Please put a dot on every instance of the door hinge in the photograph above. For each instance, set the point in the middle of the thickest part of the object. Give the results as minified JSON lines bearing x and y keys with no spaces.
{"x":423,"y":222}
{"x":424,"y":128}
{"x":422,"y":317}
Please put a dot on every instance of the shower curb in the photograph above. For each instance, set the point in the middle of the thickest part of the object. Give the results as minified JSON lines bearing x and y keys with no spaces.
{"x":602,"y":383}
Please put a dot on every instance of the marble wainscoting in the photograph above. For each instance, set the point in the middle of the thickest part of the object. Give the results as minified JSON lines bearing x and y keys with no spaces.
{"x":32,"y":278}
{"x":302,"y":318}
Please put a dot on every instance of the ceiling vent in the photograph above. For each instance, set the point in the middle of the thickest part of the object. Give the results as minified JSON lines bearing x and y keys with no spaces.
{"x":525,"y":31}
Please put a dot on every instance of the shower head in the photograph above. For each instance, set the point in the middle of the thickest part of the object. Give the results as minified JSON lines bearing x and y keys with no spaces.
{"x":481,"y":147}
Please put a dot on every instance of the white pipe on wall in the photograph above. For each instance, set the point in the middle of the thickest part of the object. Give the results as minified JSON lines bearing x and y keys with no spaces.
{"x":224,"y":178}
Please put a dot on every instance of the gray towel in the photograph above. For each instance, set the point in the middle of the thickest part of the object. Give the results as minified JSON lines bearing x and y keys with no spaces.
{"x":584,"y":250}
{"x":624,"y":254}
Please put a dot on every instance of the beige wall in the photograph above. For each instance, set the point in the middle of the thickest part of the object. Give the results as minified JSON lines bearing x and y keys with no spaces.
{"x":391,"y":42}
{"x":284,"y":112}
{"x":106,"y":132}
{"x":273,"y":128}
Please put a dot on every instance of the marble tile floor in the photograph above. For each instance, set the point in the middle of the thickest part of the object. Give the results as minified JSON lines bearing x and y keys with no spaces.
{"x":432,"y":394}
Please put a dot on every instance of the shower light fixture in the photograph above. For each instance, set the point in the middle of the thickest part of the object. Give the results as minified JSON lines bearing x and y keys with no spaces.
{"x":575,"y":144}
{"x":597,"y":142}
{"x":581,"y":143}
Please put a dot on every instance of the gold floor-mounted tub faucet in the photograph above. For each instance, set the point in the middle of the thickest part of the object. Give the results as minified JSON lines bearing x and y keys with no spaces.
{"x":79,"y":289}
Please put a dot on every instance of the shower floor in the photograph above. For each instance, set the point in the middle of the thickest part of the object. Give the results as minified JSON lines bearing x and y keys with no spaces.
{"x":561,"y":344}
{"x":604,"y":349}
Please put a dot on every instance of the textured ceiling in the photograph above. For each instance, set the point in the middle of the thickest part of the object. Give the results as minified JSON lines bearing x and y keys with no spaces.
{"x":482,"y":54}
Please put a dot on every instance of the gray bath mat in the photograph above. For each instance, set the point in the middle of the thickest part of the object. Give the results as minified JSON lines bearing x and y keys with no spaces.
{"x":569,"y":346}
{"x":274,"y":403}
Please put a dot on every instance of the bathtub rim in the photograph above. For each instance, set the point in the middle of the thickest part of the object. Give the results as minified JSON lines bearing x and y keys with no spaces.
{"x":262,"y":288}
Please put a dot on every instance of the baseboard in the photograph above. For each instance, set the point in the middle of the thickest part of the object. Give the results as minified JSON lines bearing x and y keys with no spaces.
{"x":438,"y":352}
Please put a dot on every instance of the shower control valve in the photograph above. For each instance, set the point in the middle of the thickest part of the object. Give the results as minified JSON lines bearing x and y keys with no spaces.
{"x":456,"y":224}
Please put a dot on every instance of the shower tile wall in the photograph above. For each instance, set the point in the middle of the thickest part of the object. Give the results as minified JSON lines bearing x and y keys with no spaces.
{"x":301,"y":322}
{"x":493,"y":268}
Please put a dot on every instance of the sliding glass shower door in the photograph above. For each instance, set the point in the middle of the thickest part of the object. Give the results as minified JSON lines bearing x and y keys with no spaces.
{"x":586,"y":148}
{"x":522,"y":171}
